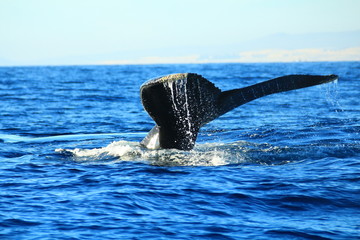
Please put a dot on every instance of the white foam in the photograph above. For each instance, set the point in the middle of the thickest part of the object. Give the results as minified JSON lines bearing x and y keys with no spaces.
{"x":121,"y":149}
{"x":202,"y":155}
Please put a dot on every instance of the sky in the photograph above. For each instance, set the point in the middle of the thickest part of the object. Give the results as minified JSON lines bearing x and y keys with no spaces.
{"x":68,"y":32}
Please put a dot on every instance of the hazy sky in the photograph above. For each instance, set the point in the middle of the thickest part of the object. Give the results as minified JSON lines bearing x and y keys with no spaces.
{"x":93,"y":31}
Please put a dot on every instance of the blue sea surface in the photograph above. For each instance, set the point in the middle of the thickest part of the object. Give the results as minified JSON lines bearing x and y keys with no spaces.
{"x":285,"y":166}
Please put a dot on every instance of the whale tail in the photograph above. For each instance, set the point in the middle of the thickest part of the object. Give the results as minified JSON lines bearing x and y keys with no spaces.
{"x":181,"y":104}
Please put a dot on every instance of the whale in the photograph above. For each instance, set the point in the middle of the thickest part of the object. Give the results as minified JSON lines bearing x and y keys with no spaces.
{"x":181,"y":103}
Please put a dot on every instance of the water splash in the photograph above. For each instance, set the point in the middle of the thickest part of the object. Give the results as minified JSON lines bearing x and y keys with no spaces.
{"x":332,"y":95}
{"x":207,"y":154}
{"x":179,"y":98}
{"x":201,"y":155}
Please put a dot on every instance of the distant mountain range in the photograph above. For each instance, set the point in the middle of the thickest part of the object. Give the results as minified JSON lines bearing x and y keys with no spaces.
{"x":280,"y":47}
{"x":339,"y":46}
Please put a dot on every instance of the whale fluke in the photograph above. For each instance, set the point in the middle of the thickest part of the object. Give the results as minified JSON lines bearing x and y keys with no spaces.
{"x":181,"y":104}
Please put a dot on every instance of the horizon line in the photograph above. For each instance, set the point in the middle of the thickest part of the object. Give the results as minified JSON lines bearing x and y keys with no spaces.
{"x":169,"y":63}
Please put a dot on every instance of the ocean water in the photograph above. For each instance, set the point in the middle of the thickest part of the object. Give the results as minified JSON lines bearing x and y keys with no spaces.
{"x":286,"y":166}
